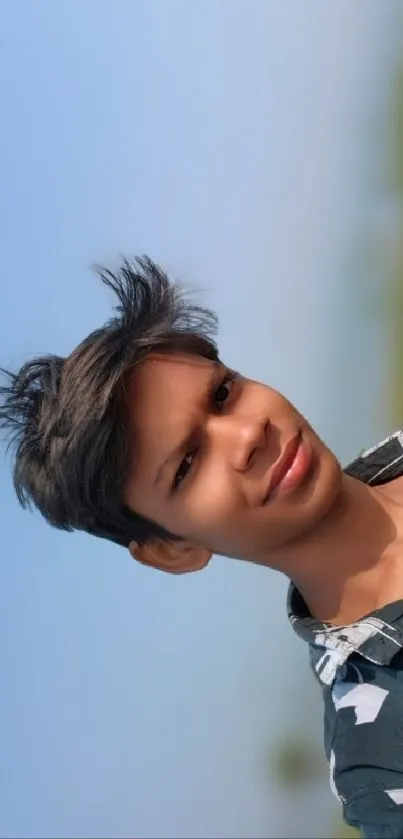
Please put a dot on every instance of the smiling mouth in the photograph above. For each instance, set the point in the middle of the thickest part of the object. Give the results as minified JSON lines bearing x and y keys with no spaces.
{"x":290,"y":469}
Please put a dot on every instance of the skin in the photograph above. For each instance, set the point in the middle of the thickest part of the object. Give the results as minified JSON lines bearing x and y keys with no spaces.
{"x":337,"y":539}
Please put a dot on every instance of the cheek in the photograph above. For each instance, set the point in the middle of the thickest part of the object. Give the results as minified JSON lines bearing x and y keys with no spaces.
{"x":212,"y":503}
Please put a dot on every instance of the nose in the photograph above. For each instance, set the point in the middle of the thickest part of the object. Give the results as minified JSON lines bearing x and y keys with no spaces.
{"x":241,"y":438}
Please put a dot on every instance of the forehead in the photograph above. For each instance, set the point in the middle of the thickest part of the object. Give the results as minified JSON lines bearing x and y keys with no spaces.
{"x":161,"y":375}
{"x":162,"y":389}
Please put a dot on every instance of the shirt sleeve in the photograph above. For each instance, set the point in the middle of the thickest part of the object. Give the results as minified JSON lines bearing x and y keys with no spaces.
{"x":378,"y":814}
{"x":364,"y":737}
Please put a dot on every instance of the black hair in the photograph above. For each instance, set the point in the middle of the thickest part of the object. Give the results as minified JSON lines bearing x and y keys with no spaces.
{"x":64,"y":415}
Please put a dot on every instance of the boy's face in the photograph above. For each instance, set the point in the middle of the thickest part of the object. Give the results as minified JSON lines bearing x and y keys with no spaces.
{"x":204,"y":448}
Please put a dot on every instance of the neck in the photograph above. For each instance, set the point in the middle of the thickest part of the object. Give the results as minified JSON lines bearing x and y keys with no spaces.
{"x":349,"y":566}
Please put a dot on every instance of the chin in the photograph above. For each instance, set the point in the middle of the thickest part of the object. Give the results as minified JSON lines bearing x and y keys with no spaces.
{"x":319,"y":495}
{"x":328,"y":484}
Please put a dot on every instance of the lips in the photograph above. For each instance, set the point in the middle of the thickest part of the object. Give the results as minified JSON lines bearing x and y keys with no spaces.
{"x":283,"y":464}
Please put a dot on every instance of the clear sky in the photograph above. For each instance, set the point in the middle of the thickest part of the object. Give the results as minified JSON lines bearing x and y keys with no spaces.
{"x":221,"y":138}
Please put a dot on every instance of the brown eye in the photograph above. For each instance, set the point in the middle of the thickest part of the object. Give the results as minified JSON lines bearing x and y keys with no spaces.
{"x":222,"y":393}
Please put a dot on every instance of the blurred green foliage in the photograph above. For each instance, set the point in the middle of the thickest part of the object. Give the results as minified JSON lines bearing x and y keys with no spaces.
{"x":344,"y":831}
{"x":295,"y":762}
{"x":394,"y":283}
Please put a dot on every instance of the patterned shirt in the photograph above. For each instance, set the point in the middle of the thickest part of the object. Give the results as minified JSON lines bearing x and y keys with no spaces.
{"x":360,"y":670}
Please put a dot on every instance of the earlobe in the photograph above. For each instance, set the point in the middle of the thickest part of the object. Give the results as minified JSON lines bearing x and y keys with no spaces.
{"x":173,"y":557}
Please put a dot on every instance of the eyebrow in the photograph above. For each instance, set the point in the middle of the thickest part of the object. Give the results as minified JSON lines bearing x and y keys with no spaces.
{"x":180,"y":448}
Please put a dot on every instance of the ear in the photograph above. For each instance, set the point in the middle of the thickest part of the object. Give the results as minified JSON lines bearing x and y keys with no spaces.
{"x":174,"y":557}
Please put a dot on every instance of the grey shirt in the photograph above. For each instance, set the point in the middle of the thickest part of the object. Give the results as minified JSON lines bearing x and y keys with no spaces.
{"x":360,"y":670}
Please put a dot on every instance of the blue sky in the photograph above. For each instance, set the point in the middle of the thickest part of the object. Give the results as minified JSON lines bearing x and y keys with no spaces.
{"x":221,"y":138}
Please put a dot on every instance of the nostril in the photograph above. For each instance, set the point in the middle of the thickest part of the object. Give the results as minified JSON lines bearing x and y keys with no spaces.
{"x":252,"y":457}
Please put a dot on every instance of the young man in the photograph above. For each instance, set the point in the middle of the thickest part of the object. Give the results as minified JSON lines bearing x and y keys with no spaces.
{"x":144,"y":437}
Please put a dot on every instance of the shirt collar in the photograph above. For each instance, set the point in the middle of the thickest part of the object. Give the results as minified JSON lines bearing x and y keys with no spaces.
{"x":378,"y":636}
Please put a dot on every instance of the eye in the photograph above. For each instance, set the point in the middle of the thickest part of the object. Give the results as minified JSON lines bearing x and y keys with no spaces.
{"x":222,"y":393}
{"x":184,"y":469}
{"x":219,"y":397}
